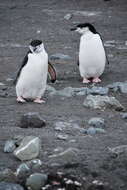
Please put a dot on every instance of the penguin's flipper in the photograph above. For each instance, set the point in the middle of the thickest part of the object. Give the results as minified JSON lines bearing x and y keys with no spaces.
{"x":106,"y":55}
{"x":51,"y":72}
{"x":104,"y":49}
{"x":78,"y":62}
{"x":24,"y":62}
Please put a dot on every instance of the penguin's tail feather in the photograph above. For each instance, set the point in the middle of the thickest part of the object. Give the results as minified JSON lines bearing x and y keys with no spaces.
{"x":52,"y":72}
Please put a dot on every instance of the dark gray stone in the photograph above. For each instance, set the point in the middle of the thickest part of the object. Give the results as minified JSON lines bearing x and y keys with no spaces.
{"x":102,"y":102}
{"x":97,"y":122}
{"x":99,"y":185}
{"x":110,"y":43}
{"x":34,"y":164}
{"x":9,"y":146}
{"x":80,"y":91}
{"x":22,"y":170}
{"x":68,"y":16}
{"x":124,"y":115}
{"x":118,"y":150}
{"x":62,"y":137}
{"x":68,"y":156}
{"x":28,"y":149}
{"x":67,"y":92}
{"x":114,"y":86}
{"x":93,"y":130}
{"x":10,"y":186}
{"x":123,"y":87}
{"x":62,"y":125}
{"x":25,"y":169}
{"x":3,"y":94}
{"x":17,"y":139}
{"x":2,"y":84}
{"x":98,"y":90}
{"x":32,"y":120}
{"x":87,"y":13}
{"x":36,"y":181}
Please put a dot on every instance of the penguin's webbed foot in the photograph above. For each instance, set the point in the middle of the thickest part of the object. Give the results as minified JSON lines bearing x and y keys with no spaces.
{"x":96,"y":80}
{"x":39,"y":101}
{"x":20,"y":99}
{"x":86,"y":81}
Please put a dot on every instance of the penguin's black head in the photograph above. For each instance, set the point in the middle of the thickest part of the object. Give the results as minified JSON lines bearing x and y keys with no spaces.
{"x":35,"y":43}
{"x":83,"y":27}
{"x":36,"y":46}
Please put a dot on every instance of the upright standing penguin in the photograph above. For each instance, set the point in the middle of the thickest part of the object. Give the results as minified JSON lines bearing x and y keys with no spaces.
{"x":92,"y":56}
{"x":31,"y":78}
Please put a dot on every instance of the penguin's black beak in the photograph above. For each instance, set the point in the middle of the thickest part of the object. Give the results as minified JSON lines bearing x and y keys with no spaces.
{"x":73,"y":29}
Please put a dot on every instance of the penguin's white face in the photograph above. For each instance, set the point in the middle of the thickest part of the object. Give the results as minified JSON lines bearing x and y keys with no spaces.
{"x":82,"y":30}
{"x":37,"y":49}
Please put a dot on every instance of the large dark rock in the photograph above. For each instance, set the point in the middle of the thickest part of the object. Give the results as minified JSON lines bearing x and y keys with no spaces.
{"x":32,"y":120}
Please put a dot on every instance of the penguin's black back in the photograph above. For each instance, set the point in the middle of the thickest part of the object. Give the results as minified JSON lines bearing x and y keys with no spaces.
{"x":24,"y":62}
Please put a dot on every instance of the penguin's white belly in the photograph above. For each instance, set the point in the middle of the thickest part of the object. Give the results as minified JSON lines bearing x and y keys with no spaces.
{"x":33,"y":77}
{"x":91,"y":57}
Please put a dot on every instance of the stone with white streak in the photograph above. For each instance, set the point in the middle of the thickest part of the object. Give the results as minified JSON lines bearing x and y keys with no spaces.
{"x":28,"y":149}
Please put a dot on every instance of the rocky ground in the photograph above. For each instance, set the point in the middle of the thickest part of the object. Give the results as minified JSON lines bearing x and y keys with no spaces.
{"x":70,"y":143}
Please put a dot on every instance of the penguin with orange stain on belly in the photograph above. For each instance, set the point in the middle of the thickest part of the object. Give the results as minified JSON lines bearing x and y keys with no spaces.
{"x":31,"y":78}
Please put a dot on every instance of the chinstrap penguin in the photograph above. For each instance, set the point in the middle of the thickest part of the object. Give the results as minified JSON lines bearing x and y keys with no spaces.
{"x":92,"y":55}
{"x":31,"y":78}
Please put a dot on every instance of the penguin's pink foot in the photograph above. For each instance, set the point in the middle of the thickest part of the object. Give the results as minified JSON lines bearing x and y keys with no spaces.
{"x":39,"y":101}
{"x":85,"y":81}
{"x":20,"y":99}
{"x":96,"y":80}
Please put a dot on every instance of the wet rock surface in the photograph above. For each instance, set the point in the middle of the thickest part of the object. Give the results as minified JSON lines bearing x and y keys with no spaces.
{"x":93,"y":164}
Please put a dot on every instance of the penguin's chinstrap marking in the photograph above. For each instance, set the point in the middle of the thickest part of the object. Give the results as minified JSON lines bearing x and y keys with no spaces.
{"x":92,"y":56}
